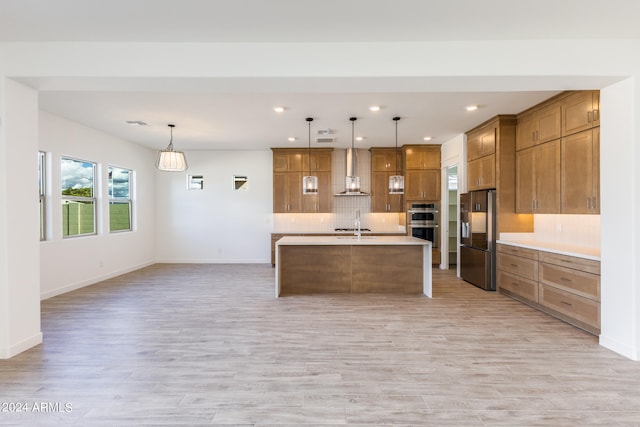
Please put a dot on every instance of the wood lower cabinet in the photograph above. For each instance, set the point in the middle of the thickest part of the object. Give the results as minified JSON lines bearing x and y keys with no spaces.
{"x":538,"y":179}
{"x":564,"y":286}
{"x":580,"y":169}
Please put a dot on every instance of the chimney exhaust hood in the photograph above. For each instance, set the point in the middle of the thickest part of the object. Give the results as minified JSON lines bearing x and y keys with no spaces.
{"x":351,"y":159}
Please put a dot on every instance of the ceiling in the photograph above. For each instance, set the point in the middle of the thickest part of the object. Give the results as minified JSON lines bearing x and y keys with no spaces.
{"x":224,"y":114}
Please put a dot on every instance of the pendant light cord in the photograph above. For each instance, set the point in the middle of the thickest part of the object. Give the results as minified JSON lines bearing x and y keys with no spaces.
{"x":170,"y":147}
{"x":309,"y":120}
{"x":396,"y":120}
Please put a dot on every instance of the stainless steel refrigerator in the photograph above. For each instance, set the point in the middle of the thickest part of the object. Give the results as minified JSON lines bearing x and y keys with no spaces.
{"x":478,"y":238}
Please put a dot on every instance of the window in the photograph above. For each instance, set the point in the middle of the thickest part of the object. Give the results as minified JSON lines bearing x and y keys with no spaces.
{"x":42,"y":189}
{"x":78,"y":197}
{"x":119,"y":199}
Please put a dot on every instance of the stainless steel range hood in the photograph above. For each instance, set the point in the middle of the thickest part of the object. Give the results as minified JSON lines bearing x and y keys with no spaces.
{"x":351,"y":158}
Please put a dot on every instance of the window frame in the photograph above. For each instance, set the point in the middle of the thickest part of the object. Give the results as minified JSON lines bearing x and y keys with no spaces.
{"x":93,"y":199}
{"x":120,"y":200}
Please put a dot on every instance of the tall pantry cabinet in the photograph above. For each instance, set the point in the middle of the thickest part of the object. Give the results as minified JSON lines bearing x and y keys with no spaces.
{"x":490,"y":165}
{"x":558,"y":168}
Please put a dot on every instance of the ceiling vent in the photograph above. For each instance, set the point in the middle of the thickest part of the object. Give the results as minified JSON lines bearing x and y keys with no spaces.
{"x":324,"y":132}
{"x":325,"y":139}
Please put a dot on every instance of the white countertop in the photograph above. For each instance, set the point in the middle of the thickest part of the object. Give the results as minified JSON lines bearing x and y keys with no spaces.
{"x":558,"y":248}
{"x":351,"y":240}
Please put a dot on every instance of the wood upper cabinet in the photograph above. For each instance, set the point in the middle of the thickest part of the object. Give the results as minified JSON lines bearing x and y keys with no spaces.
{"x":422,"y":156}
{"x":422,"y":185}
{"x":321,"y":202}
{"x":320,"y":160}
{"x":580,"y":111}
{"x":538,"y":179}
{"x":422,"y":172}
{"x":383,"y":165}
{"x":580,"y":172}
{"x":287,"y":160}
{"x":481,"y":173}
{"x":381,"y":200}
{"x":538,"y":126}
{"x":289,"y":166}
{"x":386,"y":159}
{"x":481,"y":142}
{"x":287,"y":192}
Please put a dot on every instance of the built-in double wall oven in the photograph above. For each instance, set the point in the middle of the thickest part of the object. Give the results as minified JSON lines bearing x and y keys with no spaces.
{"x":422,"y":220}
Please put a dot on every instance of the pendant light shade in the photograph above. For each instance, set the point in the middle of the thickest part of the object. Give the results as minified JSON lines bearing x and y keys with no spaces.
{"x":309,"y":182}
{"x":352,"y":182}
{"x":396,"y":182}
{"x":170,"y":160}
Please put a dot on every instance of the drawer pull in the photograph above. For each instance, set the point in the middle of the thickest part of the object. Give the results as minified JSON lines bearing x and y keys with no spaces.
{"x":515,"y":284}
{"x":565,"y":279}
{"x":514,"y":265}
{"x":566,"y":303}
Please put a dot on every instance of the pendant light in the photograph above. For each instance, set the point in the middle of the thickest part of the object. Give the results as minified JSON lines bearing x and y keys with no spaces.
{"x":171,"y":160}
{"x":309,"y":183}
{"x":396,"y":182}
{"x":352,"y":182}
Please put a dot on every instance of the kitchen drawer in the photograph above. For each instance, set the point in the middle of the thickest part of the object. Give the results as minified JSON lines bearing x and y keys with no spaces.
{"x":518,"y":251}
{"x":518,"y":286}
{"x":579,"y":282}
{"x":523,"y":267}
{"x":571,"y":305}
{"x":583,"y":264}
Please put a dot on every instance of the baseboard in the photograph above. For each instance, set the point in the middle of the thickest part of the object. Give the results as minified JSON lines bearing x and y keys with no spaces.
{"x":93,"y":280}
{"x":214,"y":261}
{"x":629,"y":352}
{"x":8,"y":352}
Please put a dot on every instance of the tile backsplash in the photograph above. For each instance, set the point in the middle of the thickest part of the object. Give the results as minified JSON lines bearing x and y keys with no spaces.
{"x":344,"y":207}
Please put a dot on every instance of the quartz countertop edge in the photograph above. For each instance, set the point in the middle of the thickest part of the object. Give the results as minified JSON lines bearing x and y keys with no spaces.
{"x":364,"y":233}
{"x":558,"y":248}
{"x":351,"y":240}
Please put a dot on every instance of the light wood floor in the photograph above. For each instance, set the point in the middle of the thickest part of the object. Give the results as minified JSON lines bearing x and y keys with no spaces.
{"x":209,"y":344}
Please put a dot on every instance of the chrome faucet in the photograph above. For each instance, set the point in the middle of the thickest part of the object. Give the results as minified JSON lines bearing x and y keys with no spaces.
{"x":357,"y":231}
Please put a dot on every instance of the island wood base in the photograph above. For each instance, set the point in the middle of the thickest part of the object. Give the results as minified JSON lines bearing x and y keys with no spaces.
{"x":309,"y":269}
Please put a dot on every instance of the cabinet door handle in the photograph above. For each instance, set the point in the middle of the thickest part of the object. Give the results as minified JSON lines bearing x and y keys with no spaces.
{"x":593,"y":205}
{"x":588,"y":202}
{"x":589,"y":114}
{"x":596,"y":115}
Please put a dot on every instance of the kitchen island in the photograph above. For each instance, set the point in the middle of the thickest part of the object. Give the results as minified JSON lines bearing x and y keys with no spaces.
{"x":351,"y":264}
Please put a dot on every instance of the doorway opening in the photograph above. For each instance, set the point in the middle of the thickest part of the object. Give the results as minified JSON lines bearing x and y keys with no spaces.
{"x":452,"y":225}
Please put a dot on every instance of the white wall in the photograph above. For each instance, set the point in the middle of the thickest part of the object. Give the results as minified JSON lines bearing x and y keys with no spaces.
{"x":67,"y":264}
{"x":216,"y":224}
{"x":19,"y":275}
{"x":620,"y":211}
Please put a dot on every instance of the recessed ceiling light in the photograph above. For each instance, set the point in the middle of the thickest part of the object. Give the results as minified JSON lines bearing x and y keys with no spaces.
{"x":427,"y":138}
{"x":291,"y":139}
{"x":374,"y":108}
{"x":136,"y":123}
{"x":471,"y":107}
{"x":278,"y":109}
{"x":359,"y":138}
